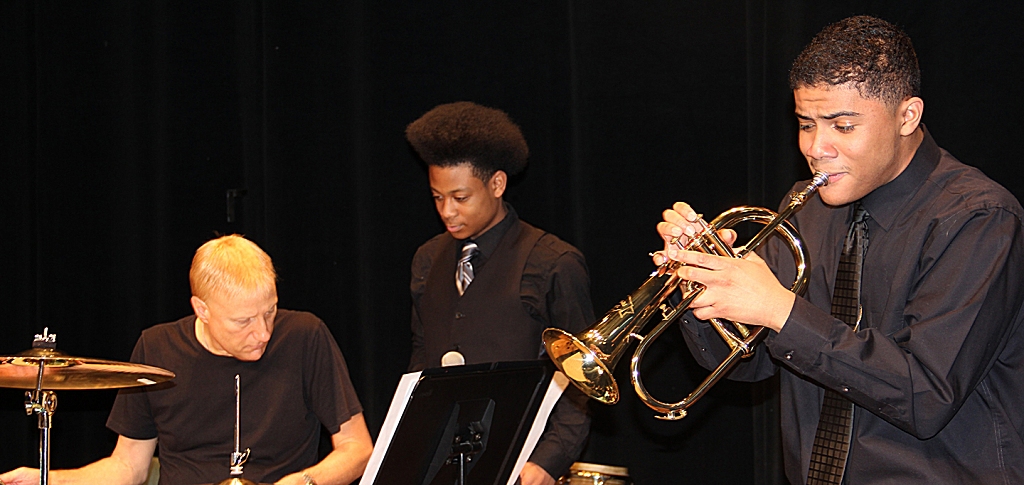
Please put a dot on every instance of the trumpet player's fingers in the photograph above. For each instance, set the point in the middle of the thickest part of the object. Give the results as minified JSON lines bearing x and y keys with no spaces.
{"x":672,"y":251}
{"x":753,"y":257}
{"x":697,"y":262}
{"x":658,"y":257}
{"x":741,"y":290}
{"x":684,"y":210}
{"x":679,"y":220}
{"x":728,"y":236}
{"x":670,"y":233}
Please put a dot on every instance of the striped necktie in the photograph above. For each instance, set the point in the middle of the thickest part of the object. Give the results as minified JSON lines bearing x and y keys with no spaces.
{"x":835,"y":426}
{"x":464,"y":270}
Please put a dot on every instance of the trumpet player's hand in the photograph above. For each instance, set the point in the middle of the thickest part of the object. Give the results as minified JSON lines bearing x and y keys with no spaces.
{"x":680,"y":223}
{"x":742,"y":290}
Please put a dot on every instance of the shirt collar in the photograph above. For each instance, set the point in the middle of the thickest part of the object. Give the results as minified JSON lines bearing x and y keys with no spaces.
{"x":488,"y":241}
{"x":886,"y":202}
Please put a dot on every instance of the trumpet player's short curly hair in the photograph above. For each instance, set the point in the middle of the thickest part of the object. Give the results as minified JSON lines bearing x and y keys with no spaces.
{"x":872,"y":55}
{"x":463,"y":132}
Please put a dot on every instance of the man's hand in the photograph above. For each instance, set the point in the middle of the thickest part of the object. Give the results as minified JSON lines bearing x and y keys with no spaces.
{"x":20,"y":476}
{"x":127,"y":465}
{"x":742,"y":290}
{"x":681,"y":223}
{"x":533,"y":474}
{"x":292,"y":479}
{"x":345,"y":463}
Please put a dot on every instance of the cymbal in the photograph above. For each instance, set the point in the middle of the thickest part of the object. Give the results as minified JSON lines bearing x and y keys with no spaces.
{"x":62,"y":371}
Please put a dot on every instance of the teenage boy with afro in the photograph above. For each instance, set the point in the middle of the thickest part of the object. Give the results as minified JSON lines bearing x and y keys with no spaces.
{"x":485,"y":289}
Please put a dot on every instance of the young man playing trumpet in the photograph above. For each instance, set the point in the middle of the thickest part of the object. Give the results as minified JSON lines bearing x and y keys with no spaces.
{"x":902,"y":361}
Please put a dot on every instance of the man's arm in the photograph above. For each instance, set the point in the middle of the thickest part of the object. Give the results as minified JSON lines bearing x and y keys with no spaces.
{"x":417,"y":360}
{"x":533,"y":474}
{"x":914,"y":369}
{"x":917,"y":371}
{"x":127,"y":465}
{"x":568,"y":306}
{"x":563,"y":439}
{"x":421,"y":263}
{"x":344,"y":464}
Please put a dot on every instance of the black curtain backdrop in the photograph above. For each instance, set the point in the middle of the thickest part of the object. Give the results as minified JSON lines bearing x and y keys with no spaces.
{"x":132,"y":132}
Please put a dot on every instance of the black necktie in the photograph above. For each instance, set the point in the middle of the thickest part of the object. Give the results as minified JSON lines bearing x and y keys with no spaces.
{"x":832,"y":438}
{"x":464,"y":270}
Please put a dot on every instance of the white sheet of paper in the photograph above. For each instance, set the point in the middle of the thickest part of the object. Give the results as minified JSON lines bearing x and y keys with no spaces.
{"x":555,"y":389}
{"x":387,"y":430}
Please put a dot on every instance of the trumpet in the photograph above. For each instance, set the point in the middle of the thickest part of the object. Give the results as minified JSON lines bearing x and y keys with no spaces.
{"x":588,"y":358}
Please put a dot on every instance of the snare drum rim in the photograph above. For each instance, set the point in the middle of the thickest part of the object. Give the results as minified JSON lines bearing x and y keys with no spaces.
{"x":615,"y":471}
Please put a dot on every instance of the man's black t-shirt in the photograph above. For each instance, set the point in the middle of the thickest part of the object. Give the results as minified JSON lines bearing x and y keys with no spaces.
{"x":299,"y":384}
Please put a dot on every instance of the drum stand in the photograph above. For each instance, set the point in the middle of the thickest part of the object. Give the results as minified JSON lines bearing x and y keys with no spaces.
{"x":43,"y":403}
{"x":57,"y":370}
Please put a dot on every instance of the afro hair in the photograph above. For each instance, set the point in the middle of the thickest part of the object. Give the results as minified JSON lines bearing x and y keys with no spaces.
{"x":875,"y":56}
{"x":464,"y":132}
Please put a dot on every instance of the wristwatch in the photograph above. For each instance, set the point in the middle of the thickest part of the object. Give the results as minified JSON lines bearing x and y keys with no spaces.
{"x":308,"y":479}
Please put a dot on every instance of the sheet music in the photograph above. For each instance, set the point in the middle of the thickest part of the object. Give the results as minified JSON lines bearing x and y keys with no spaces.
{"x":555,"y":389}
{"x":387,"y":431}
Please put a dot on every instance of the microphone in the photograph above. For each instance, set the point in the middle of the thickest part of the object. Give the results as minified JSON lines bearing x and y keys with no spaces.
{"x":452,"y":358}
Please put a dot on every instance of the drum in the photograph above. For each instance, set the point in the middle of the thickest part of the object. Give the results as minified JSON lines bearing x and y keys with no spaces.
{"x":581,"y":473}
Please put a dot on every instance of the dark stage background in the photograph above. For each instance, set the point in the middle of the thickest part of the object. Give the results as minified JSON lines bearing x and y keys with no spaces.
{"x":125,"y":125}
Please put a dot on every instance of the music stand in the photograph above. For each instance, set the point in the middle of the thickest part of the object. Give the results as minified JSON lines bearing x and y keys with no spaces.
{"x":478,"y":423}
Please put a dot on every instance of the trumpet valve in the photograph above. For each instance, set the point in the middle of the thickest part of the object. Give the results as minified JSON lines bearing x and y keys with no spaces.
{"x":748,"y":349}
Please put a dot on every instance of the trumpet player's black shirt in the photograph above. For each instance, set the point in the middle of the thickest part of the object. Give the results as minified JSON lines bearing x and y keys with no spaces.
{"x":936,"y":369}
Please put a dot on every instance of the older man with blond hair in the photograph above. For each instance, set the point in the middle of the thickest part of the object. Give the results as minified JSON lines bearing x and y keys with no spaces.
{"x":293,"y":382}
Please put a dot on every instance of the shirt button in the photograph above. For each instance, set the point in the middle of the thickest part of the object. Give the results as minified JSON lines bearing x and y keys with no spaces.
{"x":846,"y":389}
{"x":789,"y":355}
{"x":459,"y":315}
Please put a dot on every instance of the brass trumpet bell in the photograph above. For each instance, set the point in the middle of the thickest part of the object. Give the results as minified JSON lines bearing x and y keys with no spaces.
{"x":582,"y":365}
{"x":589,"y":357}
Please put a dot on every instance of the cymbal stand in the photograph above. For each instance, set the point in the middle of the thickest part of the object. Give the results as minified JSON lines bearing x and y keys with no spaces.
{"x":237,"y":458}
{"x":43,"y":403}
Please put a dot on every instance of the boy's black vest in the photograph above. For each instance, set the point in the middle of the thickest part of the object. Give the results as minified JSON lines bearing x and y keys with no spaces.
{"x":488,"y":323}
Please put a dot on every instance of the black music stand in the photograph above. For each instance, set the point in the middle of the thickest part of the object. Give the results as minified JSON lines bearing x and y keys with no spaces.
{"x":462,"y":423}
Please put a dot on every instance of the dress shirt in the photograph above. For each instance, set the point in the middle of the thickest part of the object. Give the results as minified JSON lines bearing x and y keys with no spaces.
{"x":936,"y":369}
